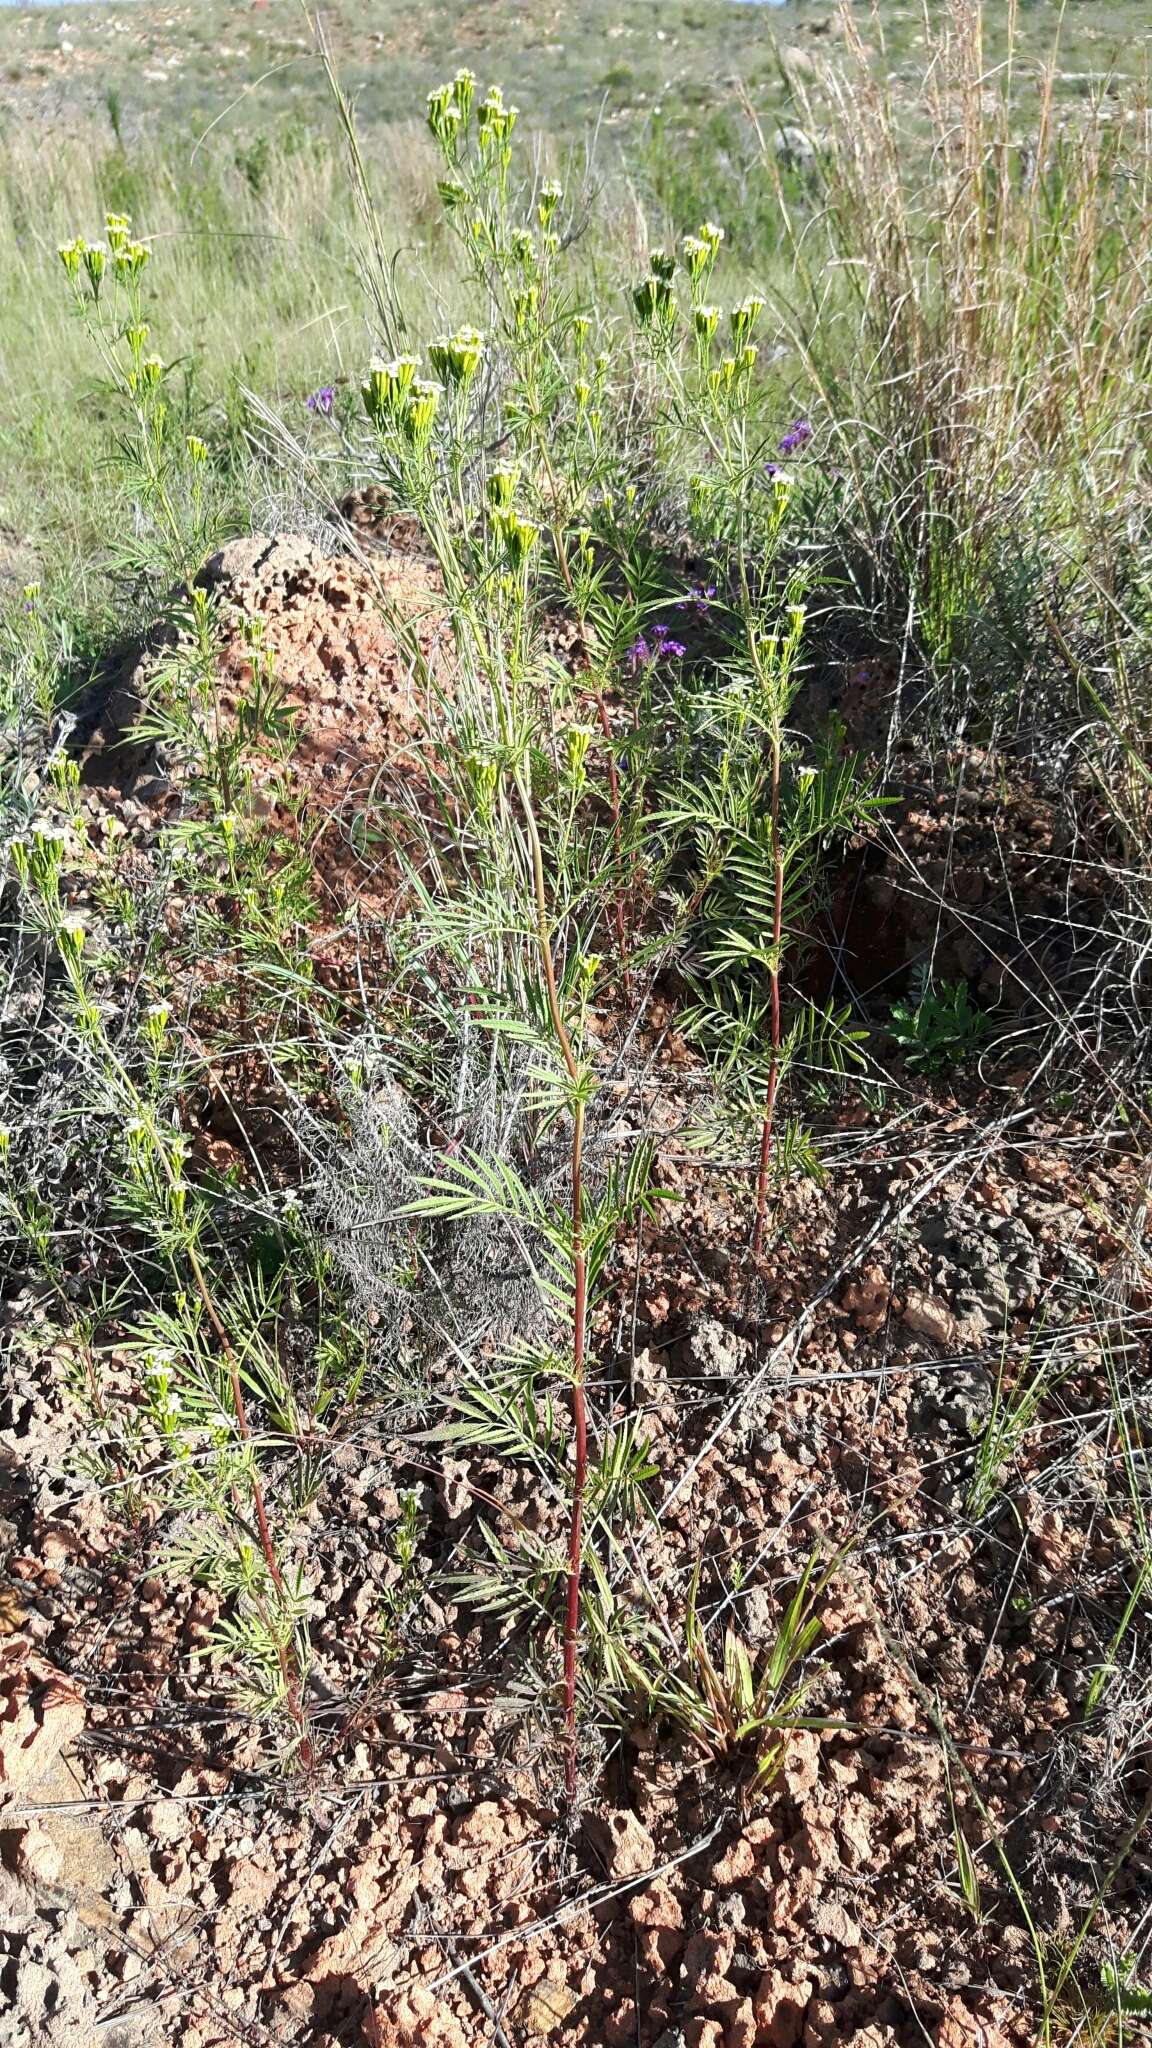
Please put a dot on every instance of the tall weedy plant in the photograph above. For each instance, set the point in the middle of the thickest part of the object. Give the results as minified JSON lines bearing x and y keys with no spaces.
{"x":165,"y":469}
{"x":546,"y":455}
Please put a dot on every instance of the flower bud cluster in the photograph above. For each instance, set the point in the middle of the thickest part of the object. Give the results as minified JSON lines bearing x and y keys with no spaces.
{"x":456,"y":357}
{"x":89,"y":261}
{"x":397,"y":399}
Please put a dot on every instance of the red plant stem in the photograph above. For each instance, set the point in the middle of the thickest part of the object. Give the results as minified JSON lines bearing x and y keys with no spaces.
{"x":613,"y":777}
{"x":580,"y":1310}
{"x":580,"y":1427}
{"x":618,"y":839}
{"x":767,"y":1127}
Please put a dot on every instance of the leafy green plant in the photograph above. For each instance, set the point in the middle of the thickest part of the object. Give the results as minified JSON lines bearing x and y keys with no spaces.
{"x":940,"y":1028}
{"x":1131,"y":1999}
{"x":737,"y":1705}
{"x":1016,"y":1402}
{"x":164,"y":466}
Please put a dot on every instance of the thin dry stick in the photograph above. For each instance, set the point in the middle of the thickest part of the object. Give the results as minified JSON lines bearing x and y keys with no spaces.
{"x":580,"y":1304}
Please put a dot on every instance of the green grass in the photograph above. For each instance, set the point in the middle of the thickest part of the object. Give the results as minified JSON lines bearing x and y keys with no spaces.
{"x":219,"y":137}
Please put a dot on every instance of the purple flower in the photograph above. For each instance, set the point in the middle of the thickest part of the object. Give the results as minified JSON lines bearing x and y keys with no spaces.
{"x":698,"y":600}
{"x":641,"y":656}
{"x":322,"y":401}
{"x":798,"y":436}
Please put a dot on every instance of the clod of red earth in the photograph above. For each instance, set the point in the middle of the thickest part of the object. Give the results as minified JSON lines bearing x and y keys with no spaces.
{"x":623,"y":1841}
{"x":928,"y":1317}
{"x":867,"y":1297}
{"x":41,"y":1711}
{"x":658,"y":1917}
{"x":780,"y":2004}
{"x":351,"y":639}
{"x":961,"y":2027}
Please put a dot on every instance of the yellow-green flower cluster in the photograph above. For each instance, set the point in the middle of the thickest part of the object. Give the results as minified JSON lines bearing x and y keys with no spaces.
{"x":501,"y":485}
{"x":517,"y":536}
{"x":523,"y":248}
{"x":525,"y":306}
{"x":448,"y":109}
{"x":396,"y":398}
{"x":655,"y":299}
{"x":743,"y":319}
{"x":699,"y":252}
{"x":456,"y":357}
{"x":495,"y":121}
{"x":127,"y":257}
{"x":550,"y":196}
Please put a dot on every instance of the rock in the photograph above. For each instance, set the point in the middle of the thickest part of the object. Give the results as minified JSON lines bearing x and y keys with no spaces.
{"x":961,"y":2028}
{"x":88,"y":1870}
{"x":247,"y":568}
{"x":737,"y":1863}
{"x":170,"y":1820}
{"x":545,"y":2006}
{"x":855,"y":1838}
{"x":716,"y":1997}
{"x":958,"y":1401}
{"x":714,"y":1352}
{"x":38,"y":1857}
{"x":929,"y":1317}
{"x":801,"y":1766}
{"x":829,"y":1919}
{"x":625,"y":1844}
{"x":867,"y":1297}
{"x":455,"y":1487}
{"x":743,"y":2028}
{"x":659,"y":1921}
{"x":46,"y":1999}
{"x":780,"y":2004}
{"x":703,"y":2033}
{"x":40,"y":1711}
{"x":482,"y":1828}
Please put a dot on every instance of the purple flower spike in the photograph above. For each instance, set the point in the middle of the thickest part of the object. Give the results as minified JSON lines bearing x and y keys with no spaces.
{"x":322,"y":401}
{"x":798,"y":436}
